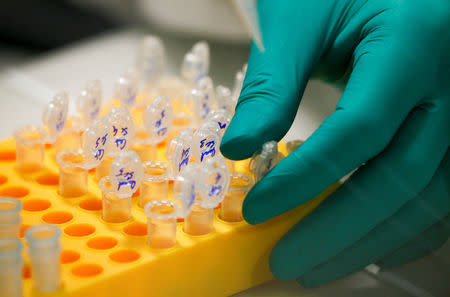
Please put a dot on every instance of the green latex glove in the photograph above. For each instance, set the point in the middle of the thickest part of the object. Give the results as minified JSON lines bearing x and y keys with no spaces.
{"x":394,"y":116}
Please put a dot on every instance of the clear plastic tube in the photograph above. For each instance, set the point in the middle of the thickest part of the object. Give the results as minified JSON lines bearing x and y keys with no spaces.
{"x":206,"y":142}
{"x":73,"y":177}
{"x":199,"y":221}
{"x":264,"y":160}
{"x":11,"y":264}
{"x":115,"y":209}
{"x":162,"y":223}
{"x":44,"y":251}
{"x":89,"y":102}
{"x":213,"y":181}
{"x":102,"y":169}
{"x":142,"y":145}
{"x":29,"y":148}
{"x":10,"y":219}
{"x":191,"y":68}
{"x":155,"y":183}
{"x":125,"y":90}
{"x":180,"y":122}
{"x":55,"y":116}
{"x":179,"y":151}
{"x":231,"y":207}
{"x":157,"y":119}
{"x":151,"y":61}
{"x":224,"y":99}
{"x":70,"y":139}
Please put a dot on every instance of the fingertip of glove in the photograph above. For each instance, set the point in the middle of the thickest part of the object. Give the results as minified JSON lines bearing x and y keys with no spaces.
{"x":249,"y":211}
{"x":231,"y":147}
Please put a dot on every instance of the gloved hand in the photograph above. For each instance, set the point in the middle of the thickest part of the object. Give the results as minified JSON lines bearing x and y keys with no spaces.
{"x":394,"y":116}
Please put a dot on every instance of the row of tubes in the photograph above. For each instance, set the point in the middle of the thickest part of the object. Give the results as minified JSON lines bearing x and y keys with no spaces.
{"x":43,"y":240}
{"x":43,"y":249}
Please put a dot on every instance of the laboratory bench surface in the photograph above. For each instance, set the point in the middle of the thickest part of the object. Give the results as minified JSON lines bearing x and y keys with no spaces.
{"x":26,"y":84}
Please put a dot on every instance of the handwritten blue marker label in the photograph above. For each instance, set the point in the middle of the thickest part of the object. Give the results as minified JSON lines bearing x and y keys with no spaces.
{"x":185,"y":155}
{"x":127,"y":179}
{"x":207,"y":148}
{"x":100,"y":152}
{"x":222,"y":125}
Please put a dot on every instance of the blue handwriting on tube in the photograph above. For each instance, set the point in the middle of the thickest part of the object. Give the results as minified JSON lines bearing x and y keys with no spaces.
{"x":215,"y":190}
{"x":211,"y":148}
{"x":121,"y":143}
{"x":99,"y":154}
{"x":218,"y":177}
{"x":94,"y":113}
{"x":205,"y":110}
{"x":184,"y":158}
{"x":162,"y":131}
{"x":128,"y":175}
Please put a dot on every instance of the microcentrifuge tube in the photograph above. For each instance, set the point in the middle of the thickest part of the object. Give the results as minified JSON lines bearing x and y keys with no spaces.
{"x":88,"y":103}
{"x":213,"y":182}
{"x":293,"y":145}
{"x":11,"y":264}
{"x":60,"y":132}
{"x":237,"y":87}
{"x":29,"y":148}
{"x":157,"y":120}
{"x":155,"y":182}
{"x":162,"y":217}
{"x":201,"y":49}
{"x":206,"y":86}
{"x":206,"y":142}
{"x":121,"y":130}
{"x":180,"y":121}
{"x":231,"y":206}
{"x":185,"y":188}
{"x":191,"y":68}
{"x":117,"y":189}
{"x":115,"y":209}
{"x":55,"y":116}
{"x":198,"y":106}
{"x":10,"y":219}
{"x":264,"y":160}
{"x":144,"y":146}
{"x":126,"y":90}
{"x":179,"y":151}
{"x":95,"y":143}
{"x":102,"y":169}
{"x":118,"y":138}
{"x":70,"y":139}
{"x":151,"y":60}
{"x":199,"y":221}
{"x":224,"y":99}
{"x":44,"y":251}
{"x":73,"y":176}
{"x":222,"y":119}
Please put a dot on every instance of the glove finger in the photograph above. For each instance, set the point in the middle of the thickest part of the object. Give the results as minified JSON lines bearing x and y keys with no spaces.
{"x":365,"y":121}
{"x":276,"y":78}
{"x":430,"y":207}
{"x":370,"y":196}
{"x":421,"y":246}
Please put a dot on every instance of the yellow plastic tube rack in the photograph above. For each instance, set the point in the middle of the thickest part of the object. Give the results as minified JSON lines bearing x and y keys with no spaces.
{"x":113,"y":259}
